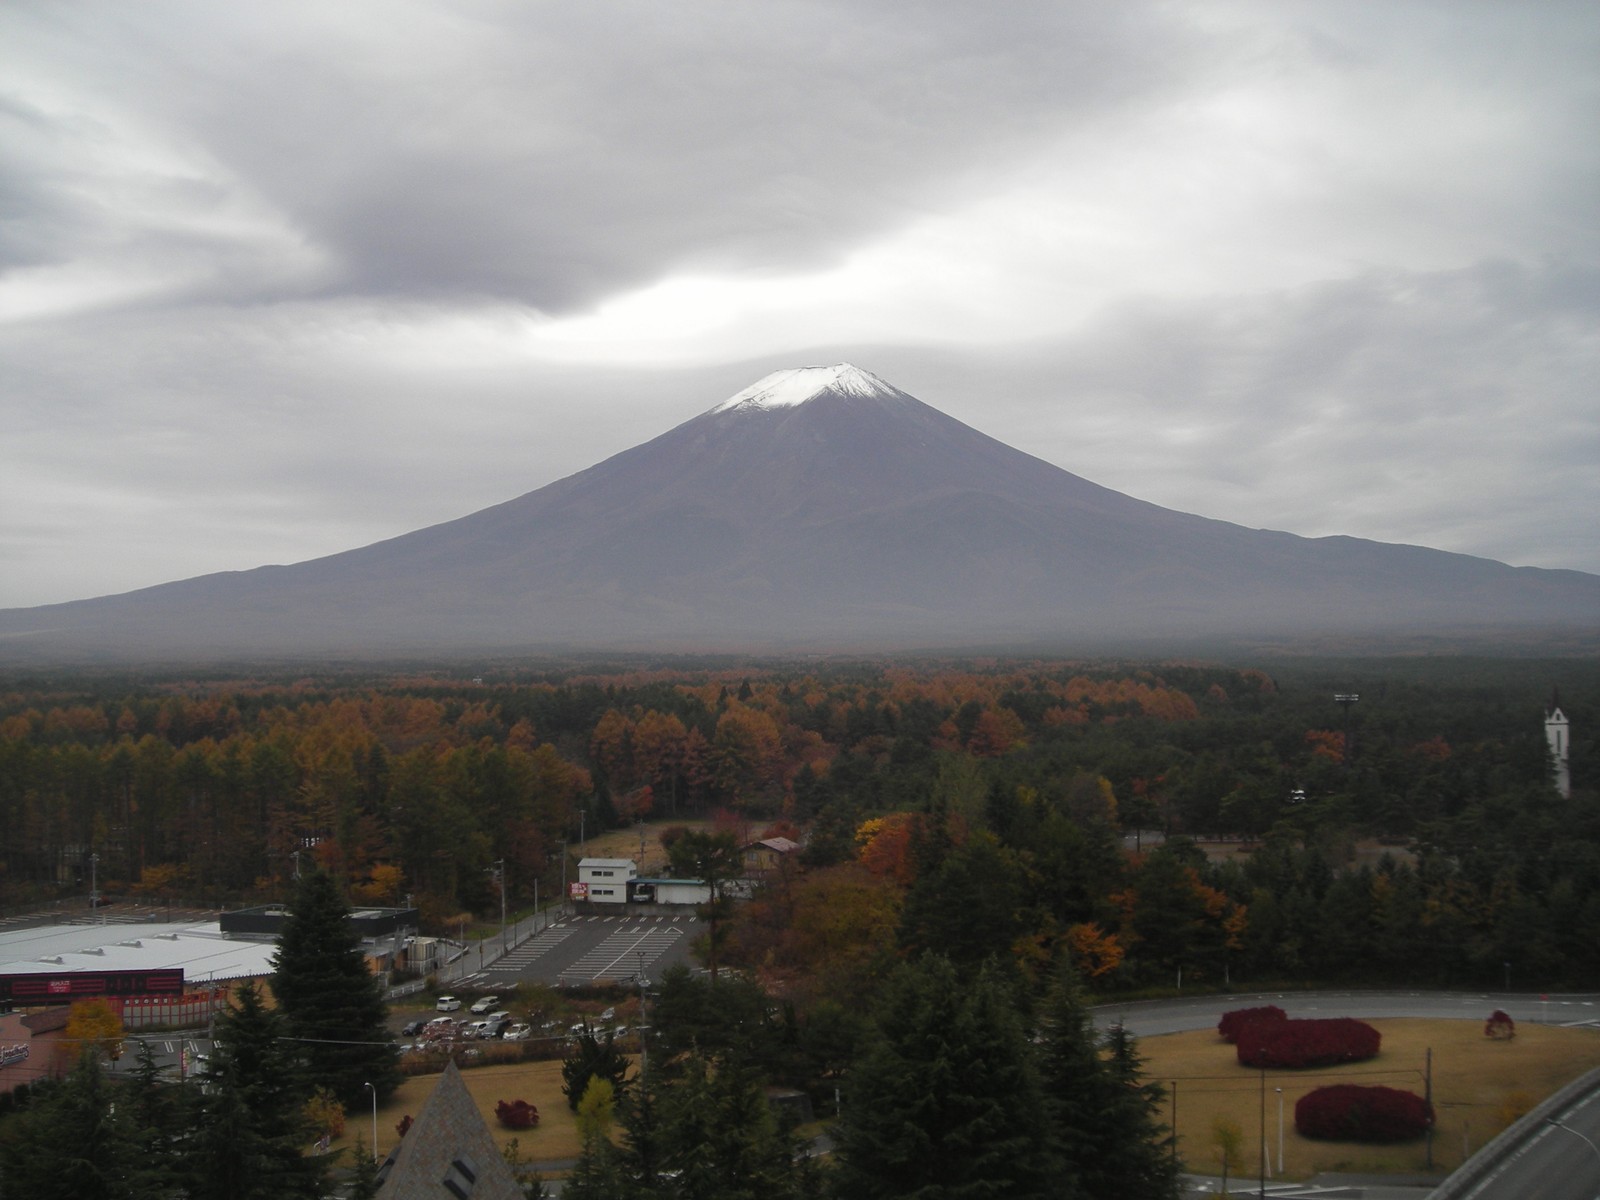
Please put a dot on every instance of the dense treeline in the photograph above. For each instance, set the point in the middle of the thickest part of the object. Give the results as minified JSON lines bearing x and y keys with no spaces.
{"x":1013,"y":784}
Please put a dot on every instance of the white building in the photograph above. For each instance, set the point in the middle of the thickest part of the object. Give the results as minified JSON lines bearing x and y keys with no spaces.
{"x":604,"y":880}
{"x":1558,"y":736}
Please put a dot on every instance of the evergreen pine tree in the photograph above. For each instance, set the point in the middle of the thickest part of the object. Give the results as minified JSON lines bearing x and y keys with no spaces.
{"x":639,"y":1111}
{"x":329,"y":998}
{"x":947,"y":1103}
{"x":161,"y":1125}
{"x":1135,"y":1162}
{"x":363,"y":1175}
{"x":252,"y":1126}
{"x":69,"y":1144}
{"x":720,"y":1140}
{"x":593,"y":1058}
{"x":1075,"y":1082}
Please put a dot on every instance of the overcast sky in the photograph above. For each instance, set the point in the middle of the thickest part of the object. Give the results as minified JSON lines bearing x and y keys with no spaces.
{"x":282,"y":279}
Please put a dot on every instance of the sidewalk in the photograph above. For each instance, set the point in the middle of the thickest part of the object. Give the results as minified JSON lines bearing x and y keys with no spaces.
{"x":488,"y":951}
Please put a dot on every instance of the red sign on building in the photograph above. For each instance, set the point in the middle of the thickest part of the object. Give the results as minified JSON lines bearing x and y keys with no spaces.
{"x":44,"y":988}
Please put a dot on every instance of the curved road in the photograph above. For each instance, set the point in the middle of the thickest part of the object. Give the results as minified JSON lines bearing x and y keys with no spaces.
{"x":1150,"y":1018}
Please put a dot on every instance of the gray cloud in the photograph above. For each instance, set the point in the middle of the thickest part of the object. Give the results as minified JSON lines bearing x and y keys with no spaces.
{"x":272,"y":279}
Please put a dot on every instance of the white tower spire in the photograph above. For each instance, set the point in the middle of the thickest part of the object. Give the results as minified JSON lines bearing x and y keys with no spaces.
{"x":1557,"y":734}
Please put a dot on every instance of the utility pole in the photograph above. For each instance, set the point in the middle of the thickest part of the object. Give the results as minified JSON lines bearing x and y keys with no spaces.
{"x":1346,"y":700}
{"x":644,"y":1020}
{"x":500,"y":872}
{"x":1427,"y":1095}
{"x":1174,"y":1127}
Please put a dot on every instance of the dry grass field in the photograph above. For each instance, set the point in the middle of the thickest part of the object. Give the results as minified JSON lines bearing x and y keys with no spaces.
{"x":624,"y":843}
{"x":539,"y":1083}
{"x":1479,"y":1087}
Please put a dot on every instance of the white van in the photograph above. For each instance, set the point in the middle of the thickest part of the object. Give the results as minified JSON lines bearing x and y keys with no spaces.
{"x":447,"y":1004}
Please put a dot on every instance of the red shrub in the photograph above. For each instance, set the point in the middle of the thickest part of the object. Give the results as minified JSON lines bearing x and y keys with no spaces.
{"x":1351,"y":1113}
{"x":1499,"y":1025}
{"x":1311,"y":1043}
{"x":517,"y":1114}
{"x":1233,"y":1023}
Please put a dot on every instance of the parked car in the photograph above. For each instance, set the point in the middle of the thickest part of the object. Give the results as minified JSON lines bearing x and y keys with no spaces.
{"x":479,"y":1029}
{"x":484,"y":1005}
{"x":447,"y":1004}
{"x":500,"y":1015}
{"x":517,"y":1033}
{"x":412,"y":1028}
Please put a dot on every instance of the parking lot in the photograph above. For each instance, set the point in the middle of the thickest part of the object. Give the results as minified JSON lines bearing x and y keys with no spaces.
{"x":588,"y":947}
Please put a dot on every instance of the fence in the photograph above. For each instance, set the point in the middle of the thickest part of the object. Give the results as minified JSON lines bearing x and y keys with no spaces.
{"x":178,"y":1012}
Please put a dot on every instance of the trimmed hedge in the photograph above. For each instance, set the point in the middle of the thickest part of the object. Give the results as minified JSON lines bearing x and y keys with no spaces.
{"x":517,"y":1114}
{"x":1350,"y":1112}
{"x":1233,"y":1023}
{"x":1307,"y":1043}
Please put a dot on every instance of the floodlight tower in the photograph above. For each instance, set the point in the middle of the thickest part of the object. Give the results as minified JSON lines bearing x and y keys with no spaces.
{"x":1346,"y":700}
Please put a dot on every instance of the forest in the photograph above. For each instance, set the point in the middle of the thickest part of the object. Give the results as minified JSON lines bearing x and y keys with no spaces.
{"x":1148,"y":823}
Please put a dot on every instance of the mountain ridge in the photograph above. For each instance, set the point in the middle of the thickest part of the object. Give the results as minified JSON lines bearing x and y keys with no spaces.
{"x":820,"y":505}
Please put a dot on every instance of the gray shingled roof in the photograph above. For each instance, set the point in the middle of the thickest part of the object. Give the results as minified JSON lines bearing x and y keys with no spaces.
{"x":448,"y":1153}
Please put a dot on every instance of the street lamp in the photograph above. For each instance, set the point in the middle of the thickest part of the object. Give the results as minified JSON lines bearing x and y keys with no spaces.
{"x":1574,"y":1133}
{"x":500,"y":874}
{"x":644,"y":1020}
{"x":1280,"y":1132}
{"x":374,"y":1092}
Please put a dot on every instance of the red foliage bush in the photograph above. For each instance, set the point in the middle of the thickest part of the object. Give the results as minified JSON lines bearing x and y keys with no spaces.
{"x":1233,"y":1023}
{"x":1307,"y":1043}
{"x":1499,"y":1025}
{"x":1351,"y":1113}
{"x":517,"y":1114}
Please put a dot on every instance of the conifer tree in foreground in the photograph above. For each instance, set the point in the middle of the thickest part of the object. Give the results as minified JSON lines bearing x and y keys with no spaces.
{"x":69,"y":1145}
{"x":330,"y":1001}
{"x":1104,"y":1125}
{"x":946,"y":1103}
{"x":252,"y":1129}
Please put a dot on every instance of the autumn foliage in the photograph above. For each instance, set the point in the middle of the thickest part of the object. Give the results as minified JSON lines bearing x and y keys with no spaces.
{"x":1234,"y":1023}
{"x":1306,"y":1043}
{"x":1353,"y":1113}
{"x":1500,"y":1026}
{"x":516,"y":1114}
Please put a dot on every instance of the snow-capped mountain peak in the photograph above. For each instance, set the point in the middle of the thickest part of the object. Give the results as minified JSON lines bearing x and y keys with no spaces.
{"x":788,"y":388}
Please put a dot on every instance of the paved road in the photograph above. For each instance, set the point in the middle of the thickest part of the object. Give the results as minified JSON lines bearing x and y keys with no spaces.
{"x":1551,"y":1154}
{"x":1151,"y":1018}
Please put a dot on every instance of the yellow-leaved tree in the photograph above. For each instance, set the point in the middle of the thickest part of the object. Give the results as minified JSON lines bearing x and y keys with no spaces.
{"x":93,"y":1024}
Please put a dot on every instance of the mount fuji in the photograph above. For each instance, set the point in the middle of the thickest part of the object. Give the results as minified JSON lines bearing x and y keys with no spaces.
{"x":820,"y":508}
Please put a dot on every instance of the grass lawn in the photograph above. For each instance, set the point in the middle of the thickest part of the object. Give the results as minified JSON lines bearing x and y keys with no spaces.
{"x":1479,"y":1087}
{"x":624,"y":843}
{"x":539,"y":1083}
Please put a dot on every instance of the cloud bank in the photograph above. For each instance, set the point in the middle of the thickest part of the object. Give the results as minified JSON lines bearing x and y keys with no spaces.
{"x":277,"y":281}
